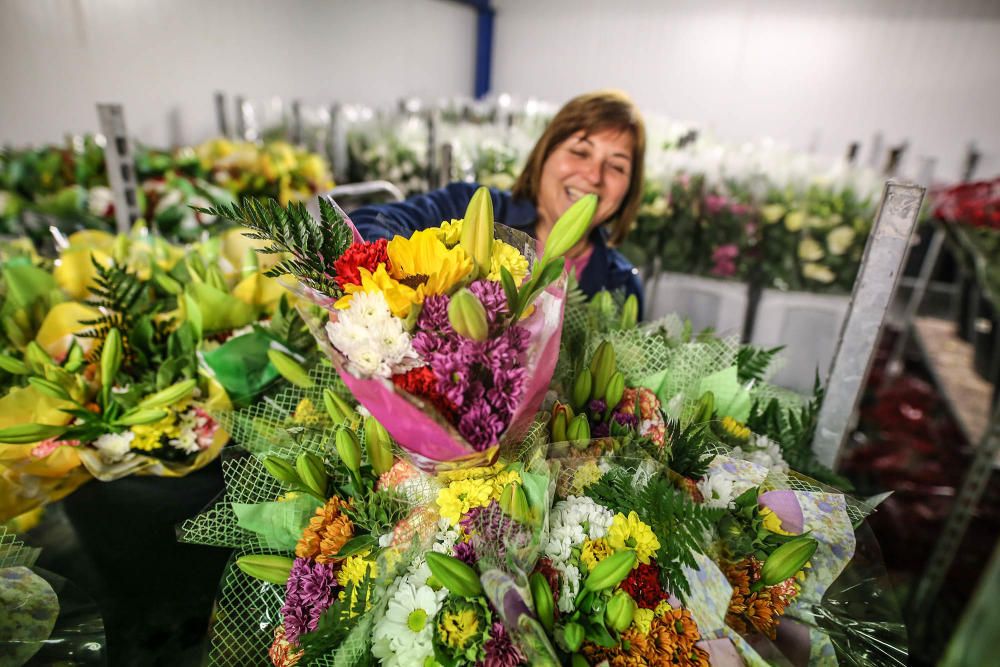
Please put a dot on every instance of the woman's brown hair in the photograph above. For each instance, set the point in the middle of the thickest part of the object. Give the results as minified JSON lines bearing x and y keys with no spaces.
{"x":592,"y":113}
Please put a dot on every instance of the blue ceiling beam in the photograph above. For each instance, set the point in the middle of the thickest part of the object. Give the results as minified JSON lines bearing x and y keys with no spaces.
{"x":484,"y":44}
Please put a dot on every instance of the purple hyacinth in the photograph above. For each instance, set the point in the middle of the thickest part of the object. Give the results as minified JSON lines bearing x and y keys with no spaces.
{"x":597,"y":407}
{"x":311,"y":589}
{"x":500,"y":650}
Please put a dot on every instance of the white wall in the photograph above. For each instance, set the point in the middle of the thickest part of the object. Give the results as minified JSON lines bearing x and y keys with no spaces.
{"x":812,"y":73}
{"x":164,"y":59}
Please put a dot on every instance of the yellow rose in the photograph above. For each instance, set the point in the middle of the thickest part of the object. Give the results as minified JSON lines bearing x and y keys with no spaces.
{"x":810,"y":250}
{"x":840,"y":239}
{"x":818,"y":272}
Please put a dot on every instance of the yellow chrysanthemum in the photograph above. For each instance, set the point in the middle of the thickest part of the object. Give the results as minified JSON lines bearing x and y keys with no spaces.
{"x":735,"y":428}
{"x":663,"y":608}
{"x":450,"y":232}
{"x":475,"y":472}
{"x":354,"y":568}
{"x":642,"y":620}
{"x":400,"y":297}
{"x":631,"y":533}
{"x":594,"y":551}
{"x":149,"y":436}
{"x":508,"y":257}
{"x":503,"y":479}
{"x":306,"y":413}
{"x":772,"y":522}
{"x":423,"y":256}
{"x":587,"y":474}
{"x":457,"y":628}
{"x":501,"y":255}
{"x":459,"y":497}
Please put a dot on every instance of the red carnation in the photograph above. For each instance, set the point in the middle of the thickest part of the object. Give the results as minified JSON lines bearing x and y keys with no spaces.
{"x":421,"y":382}
{"x":366,"y":254}
{"x":643,"y":584}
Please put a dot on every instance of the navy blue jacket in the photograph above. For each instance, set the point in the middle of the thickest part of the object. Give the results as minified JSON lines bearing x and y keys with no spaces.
{"x":607,"y":268}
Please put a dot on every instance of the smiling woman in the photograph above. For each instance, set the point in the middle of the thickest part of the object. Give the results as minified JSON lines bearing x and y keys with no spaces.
{"x":595,"y":144}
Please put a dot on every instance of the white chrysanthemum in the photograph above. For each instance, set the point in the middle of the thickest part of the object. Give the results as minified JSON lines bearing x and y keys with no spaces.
{"x":569,"y":587}
{"x":717,"y":489}
{"x":187,"y":441}
{"x":113,"y":447}
{"x":762,"y":451}
{"x":372,"y":338}
{"x":403,"y":635}
{"x":593,"y":519}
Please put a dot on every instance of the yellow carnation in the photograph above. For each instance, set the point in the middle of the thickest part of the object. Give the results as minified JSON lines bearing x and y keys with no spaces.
{"x":508,"y":257}
{"x":631,"y":533}
{"x":643,"y":620}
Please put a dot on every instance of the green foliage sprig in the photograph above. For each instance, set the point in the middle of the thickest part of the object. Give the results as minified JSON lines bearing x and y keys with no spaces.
{"x":313,"y":247}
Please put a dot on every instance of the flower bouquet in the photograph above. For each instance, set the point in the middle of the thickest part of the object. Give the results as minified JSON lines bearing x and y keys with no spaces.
{"x":346,"y":552}
{"x":448,"y":337}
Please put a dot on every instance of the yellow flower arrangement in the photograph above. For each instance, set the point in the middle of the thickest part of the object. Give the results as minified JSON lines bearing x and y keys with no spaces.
{"x":631,"y":533}
{"x":502,"y":254}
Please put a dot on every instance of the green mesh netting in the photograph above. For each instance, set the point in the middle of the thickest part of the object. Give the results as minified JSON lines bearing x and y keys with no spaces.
{"x":14,"y":552}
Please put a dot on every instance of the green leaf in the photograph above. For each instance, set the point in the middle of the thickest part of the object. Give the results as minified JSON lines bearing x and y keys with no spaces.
{"x":279,"y":524}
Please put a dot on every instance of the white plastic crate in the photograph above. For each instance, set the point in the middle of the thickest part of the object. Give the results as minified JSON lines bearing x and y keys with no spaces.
{"x":719,"y":304}
{"x":808,"y":325}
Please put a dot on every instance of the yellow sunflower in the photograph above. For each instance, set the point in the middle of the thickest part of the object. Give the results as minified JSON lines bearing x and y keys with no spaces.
{"x":423,"y":259}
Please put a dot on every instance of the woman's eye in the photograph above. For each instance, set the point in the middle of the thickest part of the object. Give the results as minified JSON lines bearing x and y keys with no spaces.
{"x":619,"y":168}
{"x":578,"y":152}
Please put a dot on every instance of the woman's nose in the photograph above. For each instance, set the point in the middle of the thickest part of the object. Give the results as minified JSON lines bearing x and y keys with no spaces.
{"x":592,"y":171}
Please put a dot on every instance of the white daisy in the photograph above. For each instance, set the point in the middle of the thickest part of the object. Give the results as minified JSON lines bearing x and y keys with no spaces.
{"x":114,"y":447}
{"x":403,"y":635}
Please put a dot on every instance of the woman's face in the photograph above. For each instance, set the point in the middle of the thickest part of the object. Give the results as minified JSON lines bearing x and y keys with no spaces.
{"x":600,"y":163}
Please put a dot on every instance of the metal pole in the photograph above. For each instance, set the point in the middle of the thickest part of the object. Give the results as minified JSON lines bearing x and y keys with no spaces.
{"x":241,"y":121}
{"x":880,"y":269}
{"x":296,"y":129}
{"x":966,"y":501}
{"x":120,"y":165}
{"x":220,"y":114}
{"x":895,"y":364}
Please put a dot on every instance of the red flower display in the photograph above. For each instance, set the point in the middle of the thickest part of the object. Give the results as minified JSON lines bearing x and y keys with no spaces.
{"x":368,"y":255}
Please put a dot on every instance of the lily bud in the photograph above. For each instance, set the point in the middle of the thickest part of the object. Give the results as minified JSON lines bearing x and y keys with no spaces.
{"x":578,"y":431}
{"x":111,"y":358}
{"x":786,"y":560}
{"x":339,"y":410}
{"x":620,"y":611}
{"x":170,"y":395}
{"x":281,"y":470}
{"x":562,"y":414}
{"x":467,"y":315}
{"x":139,"y":417}
{"x":615,"y":391}
{"x":477,"y":230}
{"x":582,"y":388}
{"x":290,"y":369}
{"x":75,"y":359}
{"x":269,"y":568}
{"x":312,"y":473}
{"x":23,"y":434}
{"x":630,"y":312}
{"x":573,"y":635}
{"x":514,"y":503}
{"x":49,"y":388}
{"x":36,"y":357}
{"x":570,"y":227}
{"x":379,"y":445}
{"x":12,"y":365}
{"x":602,"y":365}
{"x":349,"y":450}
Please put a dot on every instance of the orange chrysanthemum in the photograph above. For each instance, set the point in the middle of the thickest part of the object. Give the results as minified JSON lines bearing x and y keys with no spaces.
{"x":672,"y":640}
{"x":326,"y":533}
{"x":756,"y":611}
{"x":282,"y":653}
